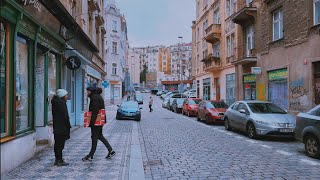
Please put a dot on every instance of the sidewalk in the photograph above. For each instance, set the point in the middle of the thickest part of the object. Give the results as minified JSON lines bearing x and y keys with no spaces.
{"x":118,"y":133}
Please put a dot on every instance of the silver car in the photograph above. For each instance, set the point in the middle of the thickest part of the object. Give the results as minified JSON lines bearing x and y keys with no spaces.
{"x":259,"y":118}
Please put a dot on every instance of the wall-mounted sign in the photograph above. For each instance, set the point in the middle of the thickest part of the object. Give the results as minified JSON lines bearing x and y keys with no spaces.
{"x":256,"y":70}
{"x":278,"y":74}
{"x":92,"y":72}
{"x":105,"y":84}
{"x":250,"y":78}
{"x":73,"y":63}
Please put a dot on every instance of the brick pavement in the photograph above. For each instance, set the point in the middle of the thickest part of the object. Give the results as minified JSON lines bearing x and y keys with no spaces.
{"x":118,"y":134}
{"x":186,"y":149}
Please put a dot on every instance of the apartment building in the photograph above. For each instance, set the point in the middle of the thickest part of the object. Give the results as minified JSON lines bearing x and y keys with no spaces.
{"x":181,"y":53}
{"x":45,"y":45}
{"x":213,"y":42}
{"x":115,"y":53}
{"x":277,"y":53}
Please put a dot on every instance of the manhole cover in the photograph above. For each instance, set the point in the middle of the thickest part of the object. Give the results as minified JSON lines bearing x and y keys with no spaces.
{"x":152,"y":163}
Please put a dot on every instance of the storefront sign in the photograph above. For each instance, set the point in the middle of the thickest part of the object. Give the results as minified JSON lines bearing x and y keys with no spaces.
{"x":93,"y":72}
{"x":278,"y":74}
{"x":256,"y":70}
{"x":105,"y":84}
{"x":73,"y":63}
{"x":250,"y":78}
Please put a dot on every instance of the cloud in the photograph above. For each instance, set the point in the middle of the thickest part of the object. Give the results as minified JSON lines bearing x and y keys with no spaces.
{"x":158,"y":22}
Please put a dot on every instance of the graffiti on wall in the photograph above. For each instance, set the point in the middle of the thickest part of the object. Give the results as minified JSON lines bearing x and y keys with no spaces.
{"x":299,"y":95}
{"x":261,"y":92}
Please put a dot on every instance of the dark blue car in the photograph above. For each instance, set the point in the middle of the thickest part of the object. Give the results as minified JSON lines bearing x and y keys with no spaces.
{"x":129,"y":110}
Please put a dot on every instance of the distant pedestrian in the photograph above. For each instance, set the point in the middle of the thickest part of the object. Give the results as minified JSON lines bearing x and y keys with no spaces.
{"x":150,"y":104}
{"x":61,"y":124}
{"x":96,"y":104}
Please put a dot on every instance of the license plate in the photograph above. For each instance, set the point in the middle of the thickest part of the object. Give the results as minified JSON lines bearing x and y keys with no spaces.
{"x":129,"y":114}
{"x":286,"y":130}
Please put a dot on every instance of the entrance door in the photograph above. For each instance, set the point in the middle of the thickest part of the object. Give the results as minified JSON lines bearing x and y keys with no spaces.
{"x":217,"y":85}
{"x":316,"y":67}
{"x":112,"y":94}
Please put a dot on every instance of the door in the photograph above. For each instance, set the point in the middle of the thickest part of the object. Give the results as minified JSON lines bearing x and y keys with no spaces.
{"x":112,"y":94}
{"x":250,"y":41}
{"x":200,"y":110}
{"x":217,"y":85}
{"x":316,"y":67}
{"x":241,"y":119}
{"x":232,"y":114}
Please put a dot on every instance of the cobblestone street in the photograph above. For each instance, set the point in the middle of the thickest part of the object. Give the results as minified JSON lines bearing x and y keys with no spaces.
{"x":175,"y":147}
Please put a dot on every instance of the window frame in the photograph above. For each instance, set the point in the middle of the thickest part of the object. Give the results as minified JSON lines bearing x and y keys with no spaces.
{"x":114,"y":47}
{"x":280,"y":21}
{"x":114,"y":68}
{"x":314,"y":12}
{"x":114,"y":26}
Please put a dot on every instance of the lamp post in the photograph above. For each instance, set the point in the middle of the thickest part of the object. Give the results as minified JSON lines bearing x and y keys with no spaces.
{"x":180,"y":62}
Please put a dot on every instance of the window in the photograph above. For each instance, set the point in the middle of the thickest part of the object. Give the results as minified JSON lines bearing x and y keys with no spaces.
{"x":277,"y":25}
{"x":205,"y":26}
{"x":250,"y":40}
{"x":316,"y":10}
{"x":243,"y":106}
{"x":216,"y":17}
{"x":216,"y":50}
{"x":114,"y":68}
{"x":235,"y":106}
{"x":114,"y":25}
{"x":51,"y":82}
{"x":114,"y":47}
{"x":3,"y":58}
{"x":22,"y":85}
{"x":230,"y":45}
{"x":230,"y":7}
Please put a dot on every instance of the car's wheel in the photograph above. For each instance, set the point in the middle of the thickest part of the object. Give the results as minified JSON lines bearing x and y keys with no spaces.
{"x":182,"y":112}
{"x":207,"y":119}
{"x":117,"y":117}
{"x":198,"y":118}
{"x":251,"y":131}
{"x":188,"y":113}
{"x":227,"y":124}
{"x":138,"y":119}
{"x":312,"y":146}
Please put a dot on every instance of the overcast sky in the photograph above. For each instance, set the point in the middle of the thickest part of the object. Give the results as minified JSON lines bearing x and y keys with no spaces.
{"x":157,"y":22}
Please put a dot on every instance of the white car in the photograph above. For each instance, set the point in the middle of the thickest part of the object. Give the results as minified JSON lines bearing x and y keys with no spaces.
{"x":192,"y":93}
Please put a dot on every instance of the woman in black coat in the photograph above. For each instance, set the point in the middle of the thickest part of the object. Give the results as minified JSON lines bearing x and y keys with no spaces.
{"x":61,"y":124}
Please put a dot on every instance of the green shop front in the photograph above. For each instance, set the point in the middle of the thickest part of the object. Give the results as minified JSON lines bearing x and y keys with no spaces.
{"x":249,"y":85}
{"x":278,"y":87}
{"x":30,"y":72}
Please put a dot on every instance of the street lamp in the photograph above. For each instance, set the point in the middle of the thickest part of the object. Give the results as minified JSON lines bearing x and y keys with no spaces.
{"x":180,"y":62}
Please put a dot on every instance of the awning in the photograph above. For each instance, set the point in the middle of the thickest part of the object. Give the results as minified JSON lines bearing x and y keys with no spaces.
{"x":72,"y":52}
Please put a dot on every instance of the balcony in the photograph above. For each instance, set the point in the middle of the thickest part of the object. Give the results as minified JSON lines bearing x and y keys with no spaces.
{"x":93,"y":5}
{"x":213,"y":33}
{"x":211,"y":63}
{"x":99,"y":20}
{"x":244,"y":56}
{"x":244,"y":12}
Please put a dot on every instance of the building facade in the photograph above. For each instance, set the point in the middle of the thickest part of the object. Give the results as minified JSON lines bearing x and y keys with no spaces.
{"x":115,"y":53}
{"x":284,"y":50}
{"x":214,"y":40}
{"x":181,"y":53}
{"x":44,"y":47}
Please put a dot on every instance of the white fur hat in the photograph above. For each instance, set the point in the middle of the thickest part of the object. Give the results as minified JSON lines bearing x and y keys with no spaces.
{"x":61,"y":93}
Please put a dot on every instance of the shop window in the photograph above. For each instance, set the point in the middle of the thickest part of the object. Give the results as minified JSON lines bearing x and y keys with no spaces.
{"x":316,"y":10}
{"x":52,"y":82}
{"x":3,"y":40}
{"x":230,"y":99}
{"x":22,"y":85}
{"x":39,"y":87}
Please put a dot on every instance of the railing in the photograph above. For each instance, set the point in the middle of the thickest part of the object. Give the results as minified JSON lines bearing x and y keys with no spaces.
{"x":212,"y":61}
{"x":213,"y":28}
{"x":243,"y":53}
{"x":240,"y":4}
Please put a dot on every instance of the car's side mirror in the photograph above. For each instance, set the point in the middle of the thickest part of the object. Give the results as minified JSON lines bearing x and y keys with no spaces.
{"x":243,"y":111}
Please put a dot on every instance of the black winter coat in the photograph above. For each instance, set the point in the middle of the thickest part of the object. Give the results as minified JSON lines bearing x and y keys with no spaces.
{"x":61,"y":123}
{"x":96,"y":103}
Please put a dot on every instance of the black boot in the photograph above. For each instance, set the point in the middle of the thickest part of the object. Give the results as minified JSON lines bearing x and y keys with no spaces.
{"x":87,"y":158}
{"x":62,"y":163}
{"x":110,"y":154}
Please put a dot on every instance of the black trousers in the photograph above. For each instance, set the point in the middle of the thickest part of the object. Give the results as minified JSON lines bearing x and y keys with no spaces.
{"x":59,"y":141}
{"x":150,"y":107}
{"x":96,"y":133}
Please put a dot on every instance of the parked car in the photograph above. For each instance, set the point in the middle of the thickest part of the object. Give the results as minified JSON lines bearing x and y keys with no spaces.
{"x":308,"y":131}
{"x":211,"y":111}
{"x":137,"y":92}
{"x":190,"y":106}
{"x":168,"y":93}
{"x":177,"y":105}
{"x":139,"y":98}
{"x":192,"y":93}
{"x":159,"y":93}
{"x":174,"y":96}
{"x":259,"y":118}
{"x":165,"y":102}
{"x":144,"y":91}
{"x":129,"y":110}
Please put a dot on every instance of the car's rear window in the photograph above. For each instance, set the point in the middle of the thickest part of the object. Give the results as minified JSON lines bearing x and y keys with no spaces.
{"x":196,"y":101}
{"x":217,"y":105}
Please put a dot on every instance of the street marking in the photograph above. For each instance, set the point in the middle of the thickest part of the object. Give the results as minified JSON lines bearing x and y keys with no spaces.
{"x":284,"y":152}
{"x":266,"y":146}
{"x":310,"y":162}
{"x":251,"y":141}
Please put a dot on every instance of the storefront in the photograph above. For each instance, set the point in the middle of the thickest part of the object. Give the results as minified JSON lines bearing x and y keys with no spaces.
{"x":316,"y":75}
{"x":30,"y":73}
{"x":278,"y":87}
{"x":249,"y":85}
